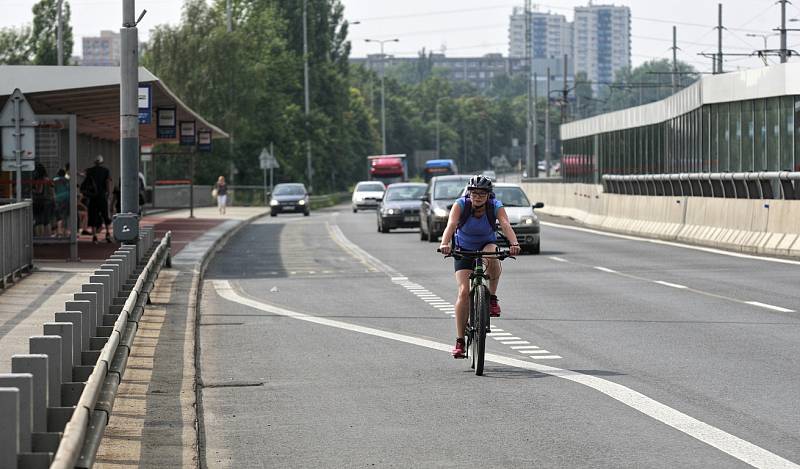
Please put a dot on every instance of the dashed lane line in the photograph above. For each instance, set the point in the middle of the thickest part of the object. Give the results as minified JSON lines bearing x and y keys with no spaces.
{"x":772,"y":307}
{"x":737,"y":447}
{"x":672,"y":285}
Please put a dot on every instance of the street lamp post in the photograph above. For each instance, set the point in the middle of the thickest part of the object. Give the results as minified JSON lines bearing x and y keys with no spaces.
{"x":437,"y":124}
{"x":383,"y":92}
{"x":763,"y":36}
{"x":309,"y":169}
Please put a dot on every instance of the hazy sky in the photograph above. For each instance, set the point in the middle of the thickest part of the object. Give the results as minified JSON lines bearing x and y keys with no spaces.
{"x":477,"y":27}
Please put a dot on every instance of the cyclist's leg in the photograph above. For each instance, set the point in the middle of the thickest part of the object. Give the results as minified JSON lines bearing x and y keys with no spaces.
{"x":493,"y":269}
{"x":462,"y":301}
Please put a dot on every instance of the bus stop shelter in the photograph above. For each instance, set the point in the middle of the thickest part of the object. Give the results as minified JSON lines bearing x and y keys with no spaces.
{"x":77,"y":110}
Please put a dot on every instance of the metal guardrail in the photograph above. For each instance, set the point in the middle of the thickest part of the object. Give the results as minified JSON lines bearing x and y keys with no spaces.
{"x":68,"y":382}
{"x":16,"y":241}
{"x":755,"y":185}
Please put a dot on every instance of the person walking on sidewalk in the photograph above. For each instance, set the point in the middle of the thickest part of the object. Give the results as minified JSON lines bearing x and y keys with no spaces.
{"x":221,"y":192}
{"x":97,"y":188}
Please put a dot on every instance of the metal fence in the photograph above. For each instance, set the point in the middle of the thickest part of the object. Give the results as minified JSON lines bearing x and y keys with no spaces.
{"x":16,"y":241}
{"x":756,"y":185}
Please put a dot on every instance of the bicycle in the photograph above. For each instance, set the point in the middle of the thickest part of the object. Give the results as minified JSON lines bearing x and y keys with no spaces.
{"x":478,"y":323}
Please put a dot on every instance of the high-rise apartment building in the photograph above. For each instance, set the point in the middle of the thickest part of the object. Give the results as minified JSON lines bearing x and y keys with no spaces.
{"x":102,"y":50}
{"x":551,"y":35}
{"x":602,"y":41}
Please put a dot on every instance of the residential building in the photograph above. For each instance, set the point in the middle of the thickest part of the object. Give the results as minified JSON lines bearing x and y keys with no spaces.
{"x":602,"y":41}
{"x":551,"y":35}
{"x":103,"y":50}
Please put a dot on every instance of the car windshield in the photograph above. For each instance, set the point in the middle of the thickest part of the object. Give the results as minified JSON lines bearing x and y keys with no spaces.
{"x":369,"y":187}
{"x":511,"y":196}
{"x":449,"y":189}
{"x":289,"y":190}
{"x":404,"y":193}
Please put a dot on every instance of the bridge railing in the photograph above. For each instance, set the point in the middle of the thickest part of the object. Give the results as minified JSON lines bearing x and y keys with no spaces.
{"x":16,"y":241}
{"x":754,"y":185}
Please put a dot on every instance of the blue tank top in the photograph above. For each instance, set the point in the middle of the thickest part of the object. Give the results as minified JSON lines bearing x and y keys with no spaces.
{"x":477,"y":232}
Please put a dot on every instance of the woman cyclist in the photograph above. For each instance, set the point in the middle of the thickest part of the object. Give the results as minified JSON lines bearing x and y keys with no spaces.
{"x":477,"y":233}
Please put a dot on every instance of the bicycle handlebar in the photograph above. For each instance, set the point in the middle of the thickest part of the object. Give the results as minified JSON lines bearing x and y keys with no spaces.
{"x":500,"y":254}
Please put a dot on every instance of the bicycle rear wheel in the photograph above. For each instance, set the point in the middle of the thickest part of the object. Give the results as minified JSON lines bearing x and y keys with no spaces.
{"x":480,"y":303}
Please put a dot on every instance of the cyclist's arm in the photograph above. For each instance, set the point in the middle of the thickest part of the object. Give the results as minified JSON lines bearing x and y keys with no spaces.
{"x":505,"y":227}
{"x":449,"y":231}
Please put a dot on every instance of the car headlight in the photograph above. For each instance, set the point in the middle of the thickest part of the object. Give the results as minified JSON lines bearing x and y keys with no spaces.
{"x":526,"y":221}
{"x":274,"y":202}
{"x":440,"y":212}
{"x":301,"y":202}
{"x":388,"y":211}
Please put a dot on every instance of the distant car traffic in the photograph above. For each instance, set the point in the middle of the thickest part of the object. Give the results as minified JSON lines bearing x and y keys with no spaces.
{"x":520,"y":213}
{"x":289,"y":197}
{"x":367,"y":194}
{"x":489,"y":174}
{"x":439,"y":197}
{"x":400,"y":206}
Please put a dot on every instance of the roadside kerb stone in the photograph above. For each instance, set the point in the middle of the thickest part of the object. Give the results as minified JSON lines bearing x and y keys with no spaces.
{"x":36,"y":366}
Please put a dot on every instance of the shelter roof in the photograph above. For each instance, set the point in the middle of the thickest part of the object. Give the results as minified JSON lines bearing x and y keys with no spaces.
{"x":92,"y":93}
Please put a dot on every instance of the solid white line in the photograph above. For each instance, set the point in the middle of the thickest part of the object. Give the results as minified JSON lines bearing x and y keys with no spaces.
{"x":774,"y":308}
{"x":667,"y":284}
{"x":558,"y":259}
{"x":723,"y":441}
{"x":605,"y":269}
{"x":671,"y":243}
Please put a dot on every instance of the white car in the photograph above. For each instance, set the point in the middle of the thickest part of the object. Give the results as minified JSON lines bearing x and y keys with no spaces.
{"x":368,"y":194}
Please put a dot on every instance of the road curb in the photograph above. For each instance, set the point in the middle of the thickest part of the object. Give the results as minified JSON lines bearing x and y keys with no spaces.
{"x":195,"y":296}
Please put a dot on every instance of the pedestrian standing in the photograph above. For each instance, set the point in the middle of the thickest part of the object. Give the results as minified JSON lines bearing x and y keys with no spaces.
{"x":97,"y":186}
{"x":61,"y":186}
{"x":221,"y":192}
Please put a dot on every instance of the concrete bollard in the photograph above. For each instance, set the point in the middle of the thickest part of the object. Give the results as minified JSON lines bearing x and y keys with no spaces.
{"x":111,"y":271}
{"x":76,"y":319}
{"x":50,"y":345}
{"x":126,"y":264}
{"x":104,"y":280}
{"x":135,"y":252}
{"x":65,"y":331}
{"x":24,"y":383}
{"x":9,"y":431}
{"x":119,"y":265}
{"x":36,"y":366}
{"x":99,"y":290}
{"x":85,"y":303}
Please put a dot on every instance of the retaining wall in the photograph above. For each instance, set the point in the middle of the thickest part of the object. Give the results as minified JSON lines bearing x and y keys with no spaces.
{"x":750,"y":226}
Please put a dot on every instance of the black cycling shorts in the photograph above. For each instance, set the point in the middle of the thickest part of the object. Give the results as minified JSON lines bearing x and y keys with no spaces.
{"x":468,"y":264}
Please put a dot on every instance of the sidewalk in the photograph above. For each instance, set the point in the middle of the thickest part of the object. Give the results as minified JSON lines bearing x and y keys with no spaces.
{"x":161,"y":365}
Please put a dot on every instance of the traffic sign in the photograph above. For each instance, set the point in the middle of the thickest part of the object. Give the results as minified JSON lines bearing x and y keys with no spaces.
{"x":267,"y":160}
{"x":18,"y":116}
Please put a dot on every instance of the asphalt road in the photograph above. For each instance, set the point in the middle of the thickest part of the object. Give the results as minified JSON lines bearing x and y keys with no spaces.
{"x":324,"y":343}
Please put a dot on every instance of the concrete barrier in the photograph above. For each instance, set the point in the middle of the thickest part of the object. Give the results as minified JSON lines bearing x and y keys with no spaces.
{"x":763,"y":226}
{"x":55,"y":389}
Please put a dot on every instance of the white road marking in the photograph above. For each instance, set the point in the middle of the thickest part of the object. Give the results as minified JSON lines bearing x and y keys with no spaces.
{"x":738,"y":448}
{"x":541,"y":352}
{"x":671,"y":243}
{"x":497,"y":330}
{"x":667,"y":284}
{"x":496,"y":333}
{"x":545,"y":357}
{"x":524,"y":348}
{"x":558,"y":259}
{"x":504,"y":339}
{"x":772,"y":307}
{"x":605,"y":269}
{"x":517,"y":342}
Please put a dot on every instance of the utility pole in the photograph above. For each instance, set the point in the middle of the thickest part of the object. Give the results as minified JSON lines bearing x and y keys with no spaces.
{"x":529,"y":62}
{"x":228,"y":16}
{"x":126,"y":223}
{"x":309,"y":170}
{"x":383,"y":88}
{"x":719,"y":42}
{"x":60,"y":34}
{"x":547,"y":127}
{"x":674,"y":59}
{"x":535,"y":126}
{"x":784,"y":53}
{"x":564,"y":107}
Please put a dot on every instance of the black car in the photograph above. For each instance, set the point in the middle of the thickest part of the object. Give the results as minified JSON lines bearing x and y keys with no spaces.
{"x":400,"y":206}
{"x":289,"y":198}
{"x":439,"y":196}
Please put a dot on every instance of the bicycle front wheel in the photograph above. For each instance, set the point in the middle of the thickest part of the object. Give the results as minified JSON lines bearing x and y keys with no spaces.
{"x":480,"y":302}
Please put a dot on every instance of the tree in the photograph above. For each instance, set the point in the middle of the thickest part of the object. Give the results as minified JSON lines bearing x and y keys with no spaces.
{"x":43,"y":39}
{"x":15,"y":46}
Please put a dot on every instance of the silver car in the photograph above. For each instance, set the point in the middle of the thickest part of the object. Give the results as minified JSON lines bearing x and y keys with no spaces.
{"x":367,"y":195}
